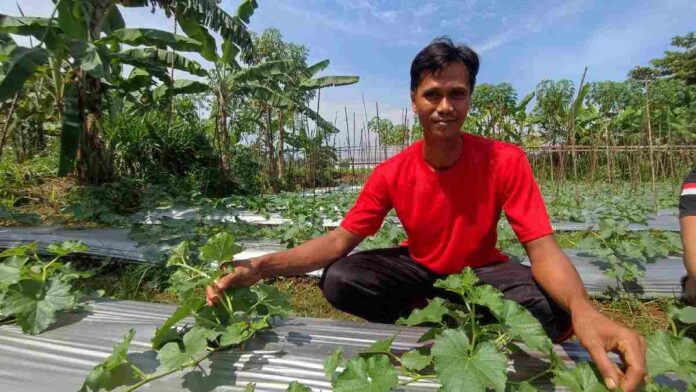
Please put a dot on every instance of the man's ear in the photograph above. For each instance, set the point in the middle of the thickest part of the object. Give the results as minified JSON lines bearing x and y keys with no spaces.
{"x":413,"y":103}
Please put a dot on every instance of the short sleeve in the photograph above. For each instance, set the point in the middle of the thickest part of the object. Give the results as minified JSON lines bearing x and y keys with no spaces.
{"x":687,"y":198}
{"x":523,"y":203}
{"x":371,"y":207}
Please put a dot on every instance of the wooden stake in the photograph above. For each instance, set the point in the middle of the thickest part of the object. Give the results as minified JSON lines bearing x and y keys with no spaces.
{"x":650,"y":147}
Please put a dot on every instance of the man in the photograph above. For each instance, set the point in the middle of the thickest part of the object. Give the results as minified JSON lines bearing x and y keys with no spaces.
{"x":448,"y":191}
{"x":687,"y":221}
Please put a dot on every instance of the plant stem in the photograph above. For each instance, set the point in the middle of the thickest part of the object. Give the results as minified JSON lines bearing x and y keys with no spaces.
{"x":44,"y":271}
{"x":153,"y":377}
{"x":197,"y":271}
{"x":417,"y":378}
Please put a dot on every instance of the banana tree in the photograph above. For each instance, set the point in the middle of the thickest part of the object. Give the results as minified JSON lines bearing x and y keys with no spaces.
{"x":87,"y":35}
{"x":307,"y":81}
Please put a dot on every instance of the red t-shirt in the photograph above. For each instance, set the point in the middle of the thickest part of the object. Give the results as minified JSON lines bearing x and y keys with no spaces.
{"x":451,"y":216}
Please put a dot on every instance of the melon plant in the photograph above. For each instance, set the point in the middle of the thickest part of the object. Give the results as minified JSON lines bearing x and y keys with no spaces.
{"x":34,"y":290}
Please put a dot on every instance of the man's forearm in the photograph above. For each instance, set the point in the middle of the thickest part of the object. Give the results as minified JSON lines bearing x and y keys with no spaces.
{"x":688,"y":235}
{"x":557,"y":275}
{"x":310,"y":256}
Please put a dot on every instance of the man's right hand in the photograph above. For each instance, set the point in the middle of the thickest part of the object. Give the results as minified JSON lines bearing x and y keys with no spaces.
{"x":245,"y":273}
{"x":690,"y":291}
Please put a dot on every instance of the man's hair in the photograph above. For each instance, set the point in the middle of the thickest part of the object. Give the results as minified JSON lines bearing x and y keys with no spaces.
{"x":438,"y":55}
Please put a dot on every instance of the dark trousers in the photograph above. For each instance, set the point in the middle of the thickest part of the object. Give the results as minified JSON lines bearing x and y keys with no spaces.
{"x":382,"y":285}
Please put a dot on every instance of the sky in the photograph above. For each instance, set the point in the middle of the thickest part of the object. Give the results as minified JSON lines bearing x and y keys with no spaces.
{"x":520,"y":42}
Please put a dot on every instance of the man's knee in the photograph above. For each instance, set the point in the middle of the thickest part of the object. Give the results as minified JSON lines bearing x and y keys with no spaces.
{"x":336,"y":281}
{"x":517,"y":284}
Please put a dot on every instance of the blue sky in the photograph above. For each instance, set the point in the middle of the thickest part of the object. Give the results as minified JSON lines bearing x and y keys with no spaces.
{"x":520,"y":42}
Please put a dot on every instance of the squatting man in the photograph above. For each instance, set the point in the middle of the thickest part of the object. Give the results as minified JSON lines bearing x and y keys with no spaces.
{"x":448,"y":191}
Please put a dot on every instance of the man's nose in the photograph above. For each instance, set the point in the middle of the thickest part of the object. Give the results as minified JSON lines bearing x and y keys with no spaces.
{"x":444,"y":106}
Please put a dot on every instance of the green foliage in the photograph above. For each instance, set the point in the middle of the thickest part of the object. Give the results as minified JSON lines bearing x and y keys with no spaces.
{"x":373,"y":374}
{"x":583,"y":377}
{"x":672,"y":352}
{"x":34,"y":291}
{"x":460,"y":366}
{"x":625,"y":251}
{"x":236,"y":318}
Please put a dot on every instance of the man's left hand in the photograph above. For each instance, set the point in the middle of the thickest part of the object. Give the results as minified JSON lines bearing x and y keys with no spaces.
{"x":600,"y":335}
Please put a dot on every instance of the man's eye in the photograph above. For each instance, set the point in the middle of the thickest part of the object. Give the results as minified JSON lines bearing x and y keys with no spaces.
{"x":431,"y":94}
{"x":459,"y":94}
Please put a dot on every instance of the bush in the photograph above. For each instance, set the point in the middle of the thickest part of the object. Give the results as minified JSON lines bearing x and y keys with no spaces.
{"x":180,"y":157}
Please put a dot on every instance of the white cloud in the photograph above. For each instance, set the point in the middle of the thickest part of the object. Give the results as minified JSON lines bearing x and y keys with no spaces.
{"x":532,"y":23}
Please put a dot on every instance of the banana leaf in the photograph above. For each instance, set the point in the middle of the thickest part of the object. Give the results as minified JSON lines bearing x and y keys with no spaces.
{"x":20,"y":66}
{"x":180,"y":86}
{"x":155,"y":60}
{"x":157,"y":38}
{"x":328,"y":81}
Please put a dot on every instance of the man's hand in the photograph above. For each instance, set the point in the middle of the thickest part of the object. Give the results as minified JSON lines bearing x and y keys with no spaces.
{"x":245,"y":273}
{"x":690,"y":291}
{"x":600,"y":335}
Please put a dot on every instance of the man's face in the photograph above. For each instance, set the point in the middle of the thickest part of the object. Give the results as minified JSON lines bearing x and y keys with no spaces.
{"x":441,"y":101}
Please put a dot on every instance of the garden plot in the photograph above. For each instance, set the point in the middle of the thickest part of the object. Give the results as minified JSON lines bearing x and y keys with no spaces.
{"x":293,"y":350}
{"x":661,"y":278}
{"x":113,"y":243}
{"x":665,"y":220}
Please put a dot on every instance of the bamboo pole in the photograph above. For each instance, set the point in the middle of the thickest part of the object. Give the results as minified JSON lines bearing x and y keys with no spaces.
{"x":650,"y":144}
{"x":8,"y":120}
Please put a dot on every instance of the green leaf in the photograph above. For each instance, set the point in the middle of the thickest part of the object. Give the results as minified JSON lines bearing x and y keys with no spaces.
{"x":331,"y":363}
{"x":432,"y":313}
{"x":382,"y":346}
{"x":153,"y":60}
{"x":271,"y":301}
{"x":486,"y":295}
{"x":10,"y":270}
{"x":459,"y":283}
{"x":229,"y":54}
{"x":215,"y":18}
{"x":316,"y":68}
{"x":167,"y":331}
{"x":460,"y":370}
{"x":220,"y":248}
{"x":180,"y":254}
{"x":581,"y":378}
{"x":157,"y":38}
{"x":518,"y":323}
{"x":33,"y":26}
{"x":21,"y":250}
{"x":374,"y":374}
{"x":113,"y":22}
{"x":250,"y":387}
{"x":328,"y":81}
{"x":114,"y":371}
{"x":66,"y":248}
{"x":195,"y":342}
{"x":297,"y":387}
{"x":71,"y":19}
{"x":194,"y":29}
{"x":236,"y":333}
{"x":416,"y":360}
{"x":35,"y":305}
{"x":71,"y":131}
{"x":246,"y":9}
{"x":20,"y":66}
{"x":430,"y":334}
{"x":180,"y":86}
{"x":669,"y":353}
{"x":686,"y":315}
{"x":90,"y":60}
